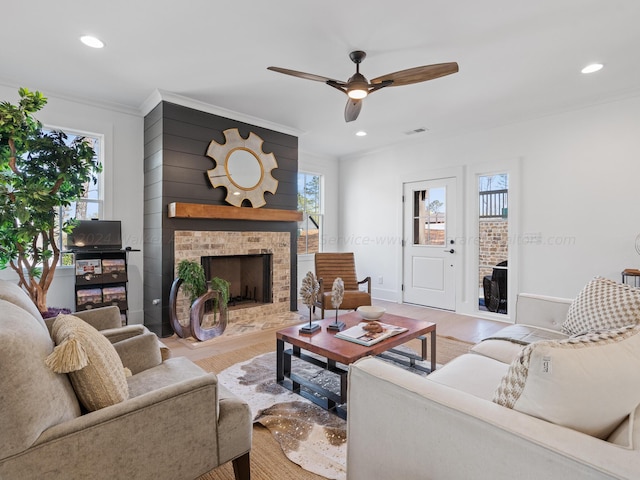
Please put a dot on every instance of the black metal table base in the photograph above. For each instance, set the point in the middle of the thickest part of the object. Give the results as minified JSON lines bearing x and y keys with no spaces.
{"x":411,"y":358}
{"x":327,"y":399}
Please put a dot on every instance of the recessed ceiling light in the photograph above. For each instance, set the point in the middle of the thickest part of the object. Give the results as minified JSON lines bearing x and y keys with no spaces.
{"x":594,"y":67}
{"x":361,"y":133}
{"x":92,"y":42}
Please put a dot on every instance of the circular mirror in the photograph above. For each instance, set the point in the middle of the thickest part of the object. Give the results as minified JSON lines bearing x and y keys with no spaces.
{"x":244,"y":169}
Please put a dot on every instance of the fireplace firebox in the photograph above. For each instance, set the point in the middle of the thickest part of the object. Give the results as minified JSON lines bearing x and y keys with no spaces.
{"x":249,"y":277}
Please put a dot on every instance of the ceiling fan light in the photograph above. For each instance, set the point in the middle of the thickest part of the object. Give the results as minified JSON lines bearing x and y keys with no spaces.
{"x":357,"y":93}
{"x":357,"y":87}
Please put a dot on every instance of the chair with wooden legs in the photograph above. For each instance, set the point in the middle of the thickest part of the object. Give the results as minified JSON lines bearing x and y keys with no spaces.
{"x":330,"y":266}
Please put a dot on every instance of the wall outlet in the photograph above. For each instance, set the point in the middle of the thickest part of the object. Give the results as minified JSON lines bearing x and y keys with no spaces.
{"x":380,"y":280}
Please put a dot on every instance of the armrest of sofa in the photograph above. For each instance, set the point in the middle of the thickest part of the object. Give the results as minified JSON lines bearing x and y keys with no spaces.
{"x":541,"y":310}
{"x":138,"y":436}
{"x":118,"y":334}
{"x":107,"y":321}
{"x":435,"y":431}
{"x":140,"y":352}
{"x":206,"y":384}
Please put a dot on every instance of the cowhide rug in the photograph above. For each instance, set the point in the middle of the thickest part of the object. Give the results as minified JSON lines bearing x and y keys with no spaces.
{"x":310,"y":436}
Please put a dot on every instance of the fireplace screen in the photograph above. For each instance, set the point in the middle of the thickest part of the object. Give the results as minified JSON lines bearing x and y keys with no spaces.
{"x":249,"y":277}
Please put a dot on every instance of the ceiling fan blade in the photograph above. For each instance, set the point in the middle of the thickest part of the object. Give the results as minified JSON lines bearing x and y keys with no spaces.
{"x":307,"y":76}
{"x":352,"y":110}
{"x":418,"y":74}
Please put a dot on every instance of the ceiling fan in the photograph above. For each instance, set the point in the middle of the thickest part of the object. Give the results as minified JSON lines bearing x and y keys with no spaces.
{"x":357,"y":87}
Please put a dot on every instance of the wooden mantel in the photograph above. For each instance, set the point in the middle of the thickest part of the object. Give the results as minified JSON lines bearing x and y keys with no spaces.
{"x":224,"y":212}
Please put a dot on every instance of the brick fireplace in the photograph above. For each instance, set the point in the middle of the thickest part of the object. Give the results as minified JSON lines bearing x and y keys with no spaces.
{"x":194,"y":245}
{"x":175,"y":165}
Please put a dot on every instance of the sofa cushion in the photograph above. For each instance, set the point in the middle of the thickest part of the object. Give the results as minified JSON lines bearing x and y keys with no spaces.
{"x":501,"y":350}
{"x":33,"y":398}
{"x":95,"y":369}
{"x":589,"y":383}
{"x":473,"y":374}
{"x":507,"y":343}
{"x":601,"y":305}
{"x":170,"y":372}
{"x":12,"y":293}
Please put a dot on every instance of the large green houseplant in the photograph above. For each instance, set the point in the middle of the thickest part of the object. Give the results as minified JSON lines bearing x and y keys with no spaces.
{"x":40,"y":172}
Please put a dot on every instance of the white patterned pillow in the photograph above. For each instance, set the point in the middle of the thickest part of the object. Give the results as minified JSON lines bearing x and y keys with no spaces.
{"x":589,"y":383}
{"x":602,"y":305}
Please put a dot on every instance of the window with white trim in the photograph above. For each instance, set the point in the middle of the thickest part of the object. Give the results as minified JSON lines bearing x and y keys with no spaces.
{"x":90,"y":205}
{"x":310,"y":204}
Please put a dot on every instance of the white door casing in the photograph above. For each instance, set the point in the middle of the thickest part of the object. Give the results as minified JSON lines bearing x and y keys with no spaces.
{"x":429,"y":249}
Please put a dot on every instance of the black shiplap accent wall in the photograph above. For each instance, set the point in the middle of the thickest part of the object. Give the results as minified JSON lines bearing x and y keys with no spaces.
{"x":176,"y":140}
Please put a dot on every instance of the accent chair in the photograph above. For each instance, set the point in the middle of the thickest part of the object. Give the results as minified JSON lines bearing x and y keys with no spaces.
{"x":330,"y":266}
{"x":171,"y":420}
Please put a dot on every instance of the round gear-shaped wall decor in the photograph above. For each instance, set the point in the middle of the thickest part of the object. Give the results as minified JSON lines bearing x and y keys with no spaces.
{"x":242,"y":168}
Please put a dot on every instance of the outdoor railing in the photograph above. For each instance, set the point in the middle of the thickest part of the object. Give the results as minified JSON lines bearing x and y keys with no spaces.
{"x":493,"y":203}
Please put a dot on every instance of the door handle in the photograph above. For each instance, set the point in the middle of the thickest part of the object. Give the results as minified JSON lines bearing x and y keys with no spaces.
{"x":450,"y":251}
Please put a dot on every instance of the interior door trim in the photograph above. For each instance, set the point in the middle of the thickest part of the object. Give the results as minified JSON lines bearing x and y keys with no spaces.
{"x":434,"y":174}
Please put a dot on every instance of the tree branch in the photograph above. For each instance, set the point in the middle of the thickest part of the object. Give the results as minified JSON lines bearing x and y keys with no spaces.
{"x":57,"y":186}
{"x":12,"y":156}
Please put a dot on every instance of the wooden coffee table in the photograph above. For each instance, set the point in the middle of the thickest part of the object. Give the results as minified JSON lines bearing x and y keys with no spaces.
{"x":336,"y":350}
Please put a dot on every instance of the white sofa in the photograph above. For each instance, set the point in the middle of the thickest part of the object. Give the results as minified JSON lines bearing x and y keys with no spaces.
{"x":446,"y":426}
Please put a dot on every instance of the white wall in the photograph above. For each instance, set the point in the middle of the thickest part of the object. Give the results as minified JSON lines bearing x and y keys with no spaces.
{"x":328,"y":168}
{"x":123,"y":172}
{"x":579,"y":173}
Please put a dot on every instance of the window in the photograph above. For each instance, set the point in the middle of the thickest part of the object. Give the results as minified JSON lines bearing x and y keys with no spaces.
{"x":429,"y":209}
{"x":90,"y":205}
{"x":493,"y":251}
{"x":310,"y":204}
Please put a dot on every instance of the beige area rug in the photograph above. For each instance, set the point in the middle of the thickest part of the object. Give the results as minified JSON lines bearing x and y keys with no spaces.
{"x":312,"y":438}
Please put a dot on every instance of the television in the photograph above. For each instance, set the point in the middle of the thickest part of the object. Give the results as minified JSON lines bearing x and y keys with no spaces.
{"x":90,"y":235}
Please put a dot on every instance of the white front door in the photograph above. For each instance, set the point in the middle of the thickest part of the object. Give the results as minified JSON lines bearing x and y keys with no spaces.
{"x":429,"y":250}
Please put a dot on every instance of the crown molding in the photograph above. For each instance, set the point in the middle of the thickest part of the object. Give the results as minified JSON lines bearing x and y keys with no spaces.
{"x":163,"y":96}
{"x":52,"y":94}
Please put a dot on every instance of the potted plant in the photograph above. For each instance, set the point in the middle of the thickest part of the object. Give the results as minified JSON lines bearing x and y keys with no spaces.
{"x":39,"y":173}
{"x":191,"y":277}
{"x":222,"y":286}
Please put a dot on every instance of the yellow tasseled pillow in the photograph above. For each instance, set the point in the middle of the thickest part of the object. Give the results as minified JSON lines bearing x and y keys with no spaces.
{"x":96,"y":371}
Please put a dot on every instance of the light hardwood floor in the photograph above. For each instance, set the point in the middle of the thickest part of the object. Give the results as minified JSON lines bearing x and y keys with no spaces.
{"x":449,"y":324}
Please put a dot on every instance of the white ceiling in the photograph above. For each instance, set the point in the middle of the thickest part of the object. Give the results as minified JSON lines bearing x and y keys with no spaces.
{"x":518,"y":59}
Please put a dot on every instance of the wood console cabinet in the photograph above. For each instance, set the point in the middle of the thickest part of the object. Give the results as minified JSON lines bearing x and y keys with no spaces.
{"x":101,"y":280}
